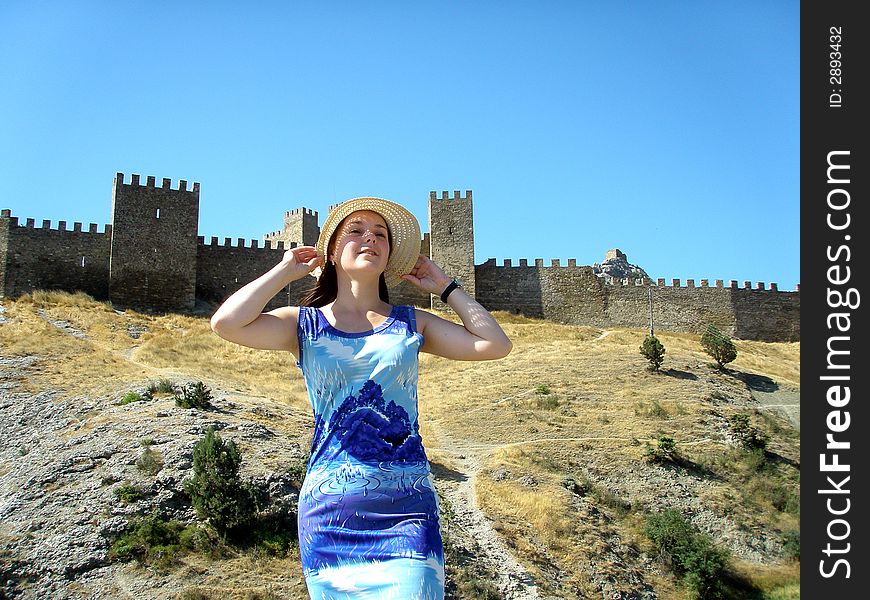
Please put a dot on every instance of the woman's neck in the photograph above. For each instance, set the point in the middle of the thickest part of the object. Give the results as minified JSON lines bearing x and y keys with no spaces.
{"x":356,"y":296}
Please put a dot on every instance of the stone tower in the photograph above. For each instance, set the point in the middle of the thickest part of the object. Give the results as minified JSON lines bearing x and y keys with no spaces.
{"x":451,"y":239}
{"x":154,"y":244}
{"x":300,"y":229}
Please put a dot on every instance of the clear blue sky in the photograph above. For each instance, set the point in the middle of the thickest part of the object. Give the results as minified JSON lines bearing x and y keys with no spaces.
{"x":667,"y":129}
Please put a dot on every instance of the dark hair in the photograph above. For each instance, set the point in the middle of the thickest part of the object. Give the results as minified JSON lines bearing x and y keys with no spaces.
{"x":325,"y":289}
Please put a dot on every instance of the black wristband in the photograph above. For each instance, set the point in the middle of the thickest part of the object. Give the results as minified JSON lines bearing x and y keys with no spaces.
{"x":450,"y":287}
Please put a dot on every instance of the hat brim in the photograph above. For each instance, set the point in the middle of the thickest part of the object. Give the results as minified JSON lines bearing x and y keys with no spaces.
{"x":404,"y":231}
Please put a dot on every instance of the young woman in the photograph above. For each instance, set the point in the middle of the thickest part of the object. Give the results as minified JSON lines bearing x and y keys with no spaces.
{"x":368,"y":511}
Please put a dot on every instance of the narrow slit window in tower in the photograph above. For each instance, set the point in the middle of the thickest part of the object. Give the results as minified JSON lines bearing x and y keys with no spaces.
{"x":83,"y":261}
{"x":158,"y":213}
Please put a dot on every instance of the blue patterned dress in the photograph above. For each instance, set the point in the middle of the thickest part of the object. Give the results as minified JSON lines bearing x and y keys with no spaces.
{"x":368,"y":512}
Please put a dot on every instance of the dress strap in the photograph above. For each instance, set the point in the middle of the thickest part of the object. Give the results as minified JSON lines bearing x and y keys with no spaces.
{"x":409,"y":315}
{"x":309,"y":323}
{"x":307,"y":328}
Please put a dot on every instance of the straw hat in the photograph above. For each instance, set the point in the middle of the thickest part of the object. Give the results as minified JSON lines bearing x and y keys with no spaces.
{"x":404,"y":230}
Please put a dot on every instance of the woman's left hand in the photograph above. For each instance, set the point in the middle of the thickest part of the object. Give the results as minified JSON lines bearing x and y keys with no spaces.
{"x":427,"y":276}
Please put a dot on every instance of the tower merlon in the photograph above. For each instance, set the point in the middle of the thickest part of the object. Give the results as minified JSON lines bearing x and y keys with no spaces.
{"x":302,"y":211}
{"x":445,"y":196}
{"x":166,"y":182}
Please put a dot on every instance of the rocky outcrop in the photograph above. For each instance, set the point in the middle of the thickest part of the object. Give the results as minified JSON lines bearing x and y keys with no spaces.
{"x":616,"y":266}
{"x":62,"y":458}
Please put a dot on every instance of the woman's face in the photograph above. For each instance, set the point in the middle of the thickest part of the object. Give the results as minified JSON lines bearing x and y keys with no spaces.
{"x":362,"y":243}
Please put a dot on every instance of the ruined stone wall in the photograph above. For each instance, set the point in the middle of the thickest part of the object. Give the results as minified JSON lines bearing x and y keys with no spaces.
{"x":156,"y":260}
{"x":53,"y":259}
{"x":154,"y":244}
{"x":223,"y":268}
{"x":767,"y":315}
{"x":572,"y":294}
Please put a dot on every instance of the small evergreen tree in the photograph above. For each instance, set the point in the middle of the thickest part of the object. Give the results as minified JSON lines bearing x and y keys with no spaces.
{"x":653,"y":350}
{"x":216,"y":491}
{"x":665,"y":450}
{"x":749,"y":436}
{"x":194,"y":395}
{"x":689,"y":552}
{"x":719,"y":346}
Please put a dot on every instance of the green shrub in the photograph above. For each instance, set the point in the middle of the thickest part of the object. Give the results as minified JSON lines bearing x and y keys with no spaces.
{"x":791,"y":544}
{"x":152,"y":540}
{"x":149,"y":462}
{"x":756,"y":460}
{"x":542,"y":389}
{"x":163,"y":386}
{"x":689,"y":552}
{"x":653,"y":350}
{"x":655,"y":409}
{"x":665,"y":450}
{"x":719,"y":346}
{"x":128,"y":493}
{"x":133,"y":396}
{"x":194,"y":395}
{"x":547,"y":401}
{"x":297,"y":470}
{"x":217,"y":493}
{"x":749,"y":436}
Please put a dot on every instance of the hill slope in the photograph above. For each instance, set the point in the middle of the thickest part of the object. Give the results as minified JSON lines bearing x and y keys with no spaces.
{"x":539,"y":457}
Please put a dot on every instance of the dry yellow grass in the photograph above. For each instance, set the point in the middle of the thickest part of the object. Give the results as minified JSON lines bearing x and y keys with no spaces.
{"x":564,"y":392}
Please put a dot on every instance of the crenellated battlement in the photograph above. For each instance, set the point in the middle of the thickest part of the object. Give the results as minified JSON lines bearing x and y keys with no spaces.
{"x":151,"y":182}
{"x":445,"y":196}
{"x":540,"y":263}
{"x":524,"y":262}
{"x":301,"y":211}
{"x":30,"y":223}
{"x":243,"y":243}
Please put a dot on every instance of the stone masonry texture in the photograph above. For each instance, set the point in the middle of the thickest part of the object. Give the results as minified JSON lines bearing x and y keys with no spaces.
{"x":152,"y":257}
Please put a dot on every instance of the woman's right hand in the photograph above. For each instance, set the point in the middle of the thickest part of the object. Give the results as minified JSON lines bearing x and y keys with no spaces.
{"x":302,"y":260}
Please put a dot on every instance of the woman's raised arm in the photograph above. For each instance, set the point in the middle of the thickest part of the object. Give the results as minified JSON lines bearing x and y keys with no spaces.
{"x":480,"y":337}
{"x":241,"y":320}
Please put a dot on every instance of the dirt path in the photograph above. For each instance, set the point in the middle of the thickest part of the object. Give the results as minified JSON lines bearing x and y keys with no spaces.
{"x":784,"y":400}
{"x":513,"y":581}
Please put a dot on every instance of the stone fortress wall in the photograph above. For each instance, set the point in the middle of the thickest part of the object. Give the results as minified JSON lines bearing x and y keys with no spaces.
{"x":151,"y":256}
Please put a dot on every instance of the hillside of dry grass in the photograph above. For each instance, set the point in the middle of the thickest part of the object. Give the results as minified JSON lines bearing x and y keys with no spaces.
{"x":552,"y":439}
